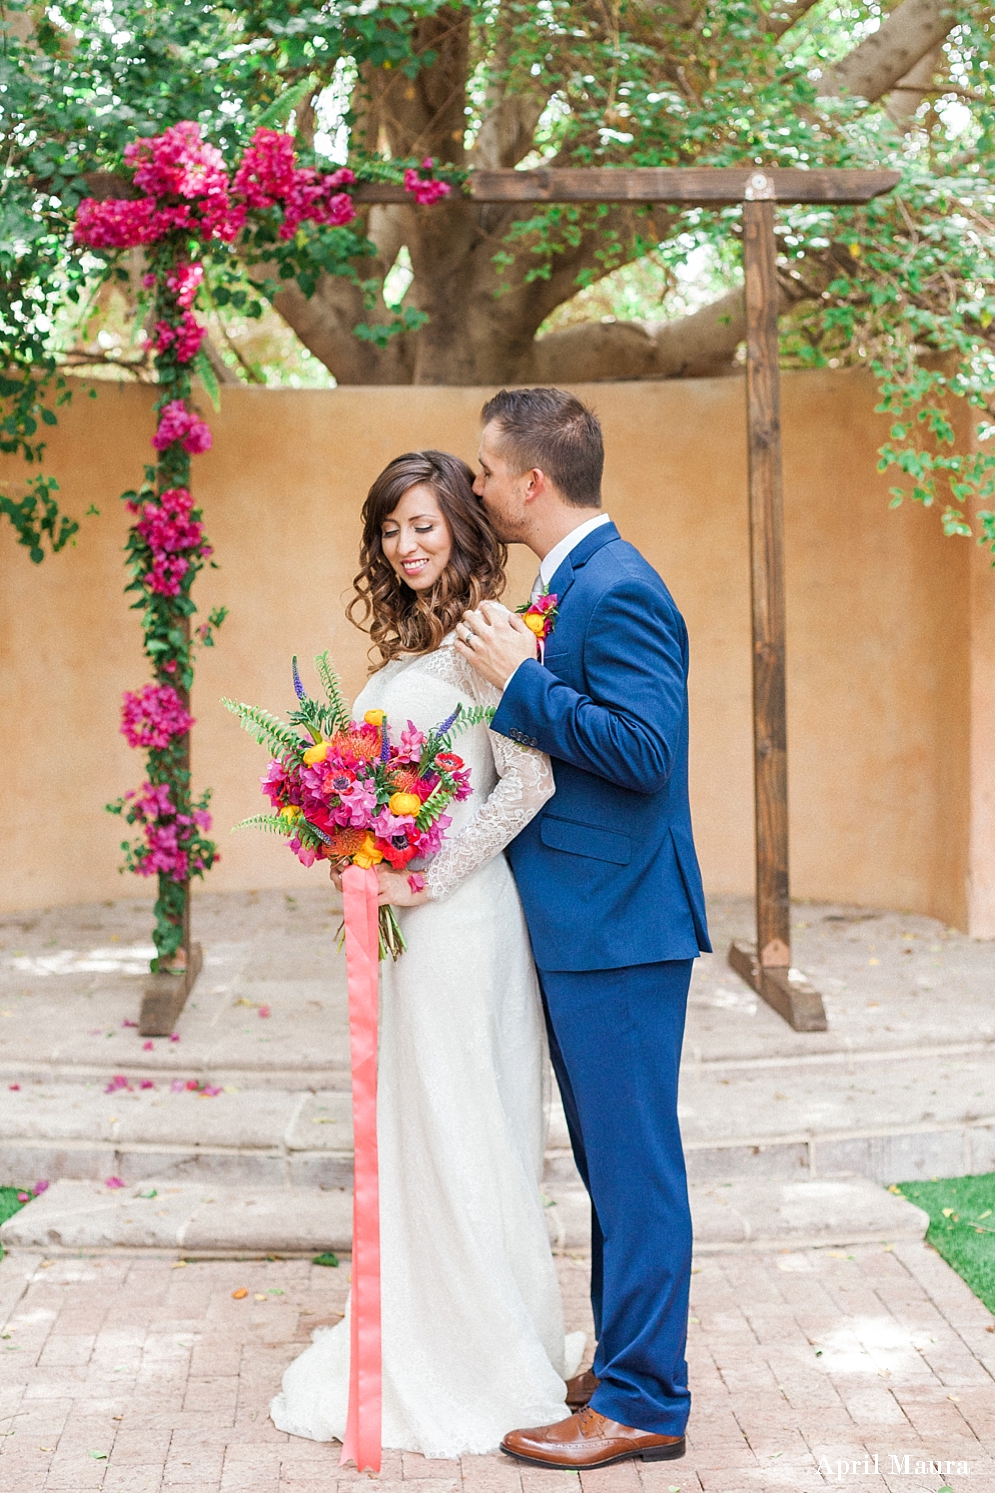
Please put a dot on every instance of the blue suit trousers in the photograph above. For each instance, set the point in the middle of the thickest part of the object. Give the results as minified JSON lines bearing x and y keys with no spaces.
{"x":615,"y":1041}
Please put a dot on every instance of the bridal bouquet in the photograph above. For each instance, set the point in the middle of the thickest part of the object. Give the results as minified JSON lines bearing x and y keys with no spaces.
{"x":349,"y":793}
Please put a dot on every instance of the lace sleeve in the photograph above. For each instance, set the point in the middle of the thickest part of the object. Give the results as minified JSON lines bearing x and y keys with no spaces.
{"x":525,"y":782}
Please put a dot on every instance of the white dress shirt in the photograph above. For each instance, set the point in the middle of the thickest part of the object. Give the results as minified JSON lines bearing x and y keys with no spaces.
{"x":551,"y":562}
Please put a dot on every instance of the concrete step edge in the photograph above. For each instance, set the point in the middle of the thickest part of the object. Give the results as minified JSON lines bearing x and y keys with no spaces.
{"x":200,"y":1221}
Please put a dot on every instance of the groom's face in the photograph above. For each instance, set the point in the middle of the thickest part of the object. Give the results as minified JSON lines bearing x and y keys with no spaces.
{"x":501,"y":489}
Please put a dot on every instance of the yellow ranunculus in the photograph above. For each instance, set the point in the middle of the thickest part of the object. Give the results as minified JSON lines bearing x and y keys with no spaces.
{"x":404,"y":803}
{"x":375,"y":717}
{"x":369,"y":855}
{"x":316,"y":753}
{"x":290,"y":811}
{"x":535,"y":623}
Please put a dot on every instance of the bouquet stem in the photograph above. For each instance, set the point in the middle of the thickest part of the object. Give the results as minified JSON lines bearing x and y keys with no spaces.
{"x":392,"y":943}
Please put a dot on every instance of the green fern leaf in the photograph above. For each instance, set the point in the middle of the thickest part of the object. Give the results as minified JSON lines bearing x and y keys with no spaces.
{"x":333,"y":689}
{"x":433,"y":806}
{"x":267,"y":729}
{"x":477,"y":715}
{"x":275,"y":823}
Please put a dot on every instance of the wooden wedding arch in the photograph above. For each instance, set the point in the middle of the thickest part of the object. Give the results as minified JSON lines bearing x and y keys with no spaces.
{"x":767,"y":965}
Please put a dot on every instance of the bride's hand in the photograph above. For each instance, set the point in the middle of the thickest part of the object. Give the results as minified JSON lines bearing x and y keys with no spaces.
{"x":395,"y":890}
{"x":335,"y":870}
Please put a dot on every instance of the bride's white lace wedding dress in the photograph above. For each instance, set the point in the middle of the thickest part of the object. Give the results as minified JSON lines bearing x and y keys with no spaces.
{"x":473,"y":1341}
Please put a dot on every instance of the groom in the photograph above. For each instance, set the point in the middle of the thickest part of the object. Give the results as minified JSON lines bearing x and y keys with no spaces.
{"x":609,"y":881}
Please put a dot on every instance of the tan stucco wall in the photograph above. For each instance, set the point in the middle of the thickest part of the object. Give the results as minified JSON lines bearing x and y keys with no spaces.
{"x":879,"y":609}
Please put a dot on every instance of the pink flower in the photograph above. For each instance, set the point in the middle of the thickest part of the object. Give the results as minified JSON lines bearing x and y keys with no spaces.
{"x":151,"y":719}
{"x":148,"y":1047}
{"x":146,"y":1083}
{"x":177,"y":1086}
{"x":114,"y":1183}
{"x":184,"y":282}
{"x":177,"y":163}
{"x":425,"y":192}
{"x":14,"y":1086}
{"x":174,"y":1036}
{"x":411,"y":743}
{"x":117,"y":1082}
{"x":266,"y":172}
{"x":268,"y":176}
{"x":24,"y":1197}
{"x":264,"y":1012}
{"x":210,"y":1091}
{"x":185,"y":338}
{"x":177,"y":423}
{"x":119,"y":223}
{"x":40,"y":1187}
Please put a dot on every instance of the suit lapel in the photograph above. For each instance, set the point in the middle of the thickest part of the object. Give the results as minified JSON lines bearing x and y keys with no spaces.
{"x":565,"y":573}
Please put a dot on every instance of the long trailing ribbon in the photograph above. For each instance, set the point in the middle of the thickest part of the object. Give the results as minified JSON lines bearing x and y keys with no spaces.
{"x":361,"y":1443}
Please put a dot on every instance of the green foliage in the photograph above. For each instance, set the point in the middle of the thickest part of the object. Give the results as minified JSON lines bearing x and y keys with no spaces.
{"x":11,"y":1204}
{"x":317,"y":718}
{"x":268,"y":730}
{"x":276,"y":824}
{"x":37,"y":517}
{"x":469,"y":716}
{"x":961,"y":1226}
{"x":333,"y":690}
{"x":902,"y":286}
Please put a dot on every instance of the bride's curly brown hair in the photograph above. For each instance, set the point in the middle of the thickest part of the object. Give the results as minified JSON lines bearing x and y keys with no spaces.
{"x":398,"y":619}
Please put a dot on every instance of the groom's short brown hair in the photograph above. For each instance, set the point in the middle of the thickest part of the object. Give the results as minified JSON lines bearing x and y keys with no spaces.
{"x":553,"y":431}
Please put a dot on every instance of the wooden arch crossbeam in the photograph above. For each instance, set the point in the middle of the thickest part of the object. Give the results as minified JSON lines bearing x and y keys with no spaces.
{"x":767,"y":966}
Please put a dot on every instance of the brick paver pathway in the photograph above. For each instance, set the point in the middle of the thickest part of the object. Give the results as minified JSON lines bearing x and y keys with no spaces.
{"x":132,"y":1375}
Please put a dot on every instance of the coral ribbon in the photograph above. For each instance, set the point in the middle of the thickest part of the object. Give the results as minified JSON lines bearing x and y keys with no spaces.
{"x":361,"y":1442}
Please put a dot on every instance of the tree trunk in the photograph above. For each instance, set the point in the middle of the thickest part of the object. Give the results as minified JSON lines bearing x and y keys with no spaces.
{"x":484,"y":313}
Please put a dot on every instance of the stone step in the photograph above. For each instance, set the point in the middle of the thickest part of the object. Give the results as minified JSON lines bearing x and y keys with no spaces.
{"x":256,"y":1137}
{"x":197,"y":1220}
{"x":886,"y":1117}
{"x":894,"y":1120}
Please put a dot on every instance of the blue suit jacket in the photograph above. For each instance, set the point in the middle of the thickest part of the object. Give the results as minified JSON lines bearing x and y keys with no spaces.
{"x":607,"y":871}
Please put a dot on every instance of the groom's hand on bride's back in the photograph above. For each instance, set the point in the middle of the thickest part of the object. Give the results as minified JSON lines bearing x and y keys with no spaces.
{"x":495,"y":641}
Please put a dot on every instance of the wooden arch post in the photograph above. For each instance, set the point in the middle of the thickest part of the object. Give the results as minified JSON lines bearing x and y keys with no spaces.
{"x":767,"y":965}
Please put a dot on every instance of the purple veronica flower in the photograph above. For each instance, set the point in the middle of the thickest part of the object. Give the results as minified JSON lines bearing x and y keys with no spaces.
{"x":384,"y":742}
{"x":448,"y":722}
{"x":320,"y":833}
{"x":298,"y":687}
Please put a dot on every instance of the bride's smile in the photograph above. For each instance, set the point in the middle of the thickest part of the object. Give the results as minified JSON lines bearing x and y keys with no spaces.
{"x":417,"y":543}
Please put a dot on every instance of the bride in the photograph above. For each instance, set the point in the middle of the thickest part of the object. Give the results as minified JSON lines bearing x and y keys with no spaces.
{"x":472,"y":1327}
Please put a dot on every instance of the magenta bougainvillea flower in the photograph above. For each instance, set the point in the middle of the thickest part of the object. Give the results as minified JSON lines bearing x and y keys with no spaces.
{"x":177,"y":423}
{"x":153,"y":717}
{"x":184,"y":338}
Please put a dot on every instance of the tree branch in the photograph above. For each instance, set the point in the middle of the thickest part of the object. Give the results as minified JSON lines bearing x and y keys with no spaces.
{"x":884,"y":58}
{"x":783,"y":17}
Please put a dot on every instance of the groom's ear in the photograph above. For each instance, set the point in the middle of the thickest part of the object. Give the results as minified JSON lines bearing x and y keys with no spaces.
{"x":536,"y":483}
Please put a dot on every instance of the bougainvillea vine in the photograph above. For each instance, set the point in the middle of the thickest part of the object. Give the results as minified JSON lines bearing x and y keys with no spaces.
{"x":189,"y":207}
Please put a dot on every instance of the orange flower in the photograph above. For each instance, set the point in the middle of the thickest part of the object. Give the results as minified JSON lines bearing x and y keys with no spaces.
{"x":345,"y":841}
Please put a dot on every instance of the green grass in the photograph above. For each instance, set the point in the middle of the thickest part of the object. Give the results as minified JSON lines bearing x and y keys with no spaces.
{"x":9,"y":1204}
{"x":961,"y":1226}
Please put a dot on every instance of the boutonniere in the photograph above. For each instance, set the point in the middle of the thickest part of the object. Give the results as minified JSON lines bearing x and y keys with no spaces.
{"x":539,"y":617}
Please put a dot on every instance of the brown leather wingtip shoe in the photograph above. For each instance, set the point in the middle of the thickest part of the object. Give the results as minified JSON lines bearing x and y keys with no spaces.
{"x":587,"y":1440}
{"x":580,"y":1389}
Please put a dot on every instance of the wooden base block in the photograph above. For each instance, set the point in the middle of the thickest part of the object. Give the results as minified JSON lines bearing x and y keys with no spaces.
{"x":785,"y":990}
{"x":165,"y":996}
